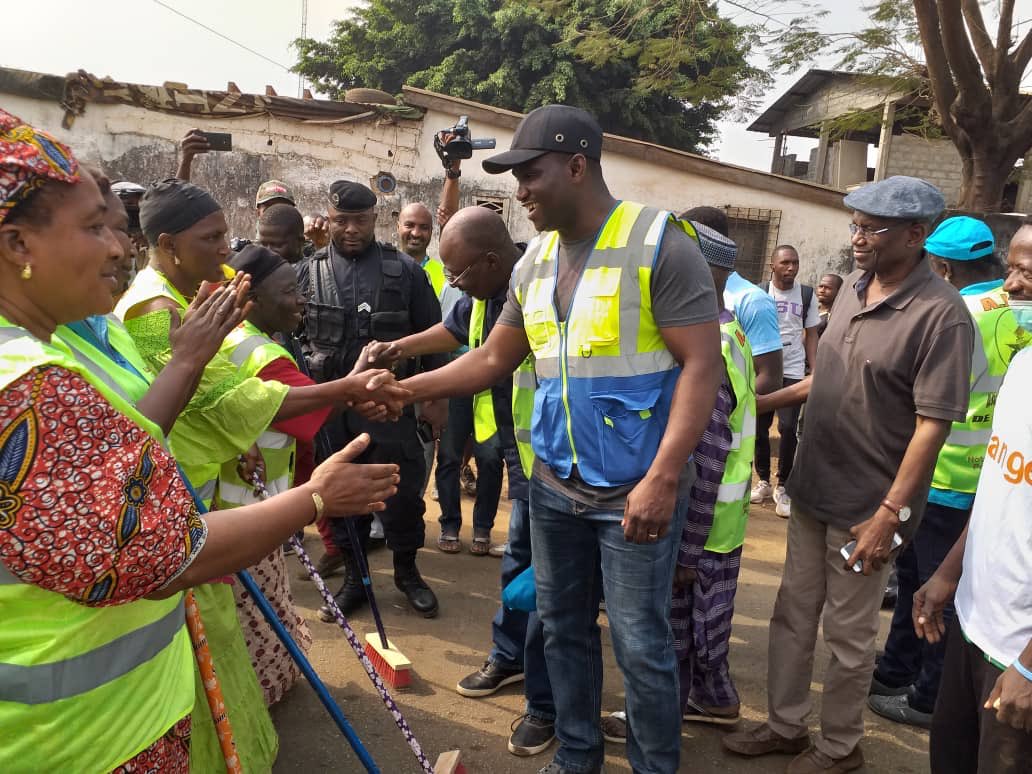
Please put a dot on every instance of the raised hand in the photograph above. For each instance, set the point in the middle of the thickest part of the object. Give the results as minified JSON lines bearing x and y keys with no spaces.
{"x":317,"y":230}
{"x":216,"y":310}
{"x":350,"y":489}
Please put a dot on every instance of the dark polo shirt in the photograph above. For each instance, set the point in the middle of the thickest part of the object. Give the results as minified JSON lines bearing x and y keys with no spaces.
{"x":878,"y":367}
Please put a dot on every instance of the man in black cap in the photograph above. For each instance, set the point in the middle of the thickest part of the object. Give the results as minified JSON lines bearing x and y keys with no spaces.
{"x":617,"y":306}
{"x":892,"y":373}
{"x":358,"y":290}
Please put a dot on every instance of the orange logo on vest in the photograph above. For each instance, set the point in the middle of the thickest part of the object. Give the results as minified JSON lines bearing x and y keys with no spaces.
{"x":1017,"y":468}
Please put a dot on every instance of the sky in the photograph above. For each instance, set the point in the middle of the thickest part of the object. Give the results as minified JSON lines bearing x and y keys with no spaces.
{"x":143,"y":41}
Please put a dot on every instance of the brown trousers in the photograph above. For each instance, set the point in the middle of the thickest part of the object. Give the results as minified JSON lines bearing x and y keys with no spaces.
{"x":815,"y":580}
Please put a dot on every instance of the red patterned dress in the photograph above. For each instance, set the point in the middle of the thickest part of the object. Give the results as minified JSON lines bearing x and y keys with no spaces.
{"x":93,"y":508}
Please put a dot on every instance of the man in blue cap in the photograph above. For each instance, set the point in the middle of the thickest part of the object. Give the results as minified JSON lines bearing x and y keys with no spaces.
{"x":906,"y":680}
{"x":892,"y":374}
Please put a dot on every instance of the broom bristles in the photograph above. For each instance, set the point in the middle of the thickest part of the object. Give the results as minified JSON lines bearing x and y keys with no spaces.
{"x":390,"y":664}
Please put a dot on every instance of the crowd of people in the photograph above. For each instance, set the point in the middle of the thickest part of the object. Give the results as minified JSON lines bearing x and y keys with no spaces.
{"x":175,"y":410}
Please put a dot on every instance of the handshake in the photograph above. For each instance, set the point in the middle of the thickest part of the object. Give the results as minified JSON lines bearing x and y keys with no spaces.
{"x":371,"y":389}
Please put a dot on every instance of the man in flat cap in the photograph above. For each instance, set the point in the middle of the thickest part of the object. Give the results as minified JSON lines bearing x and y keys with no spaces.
{"x":892,"y":373}
{"x":358,"y":290}
{"x":617,"y":306}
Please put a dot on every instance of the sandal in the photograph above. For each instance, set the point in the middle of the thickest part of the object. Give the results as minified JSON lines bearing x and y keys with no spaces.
{"x":449,"y":544}
{"x":480,"y":546}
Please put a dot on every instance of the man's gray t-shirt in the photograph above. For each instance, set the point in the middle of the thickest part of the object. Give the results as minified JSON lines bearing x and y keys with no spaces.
{"x":682,"y":294}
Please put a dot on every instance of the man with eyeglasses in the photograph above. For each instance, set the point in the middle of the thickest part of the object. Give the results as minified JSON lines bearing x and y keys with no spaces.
{"x":892,"y":373}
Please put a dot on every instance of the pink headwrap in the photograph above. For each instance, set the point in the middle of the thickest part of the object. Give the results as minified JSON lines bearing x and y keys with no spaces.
{"x":28,"y":158}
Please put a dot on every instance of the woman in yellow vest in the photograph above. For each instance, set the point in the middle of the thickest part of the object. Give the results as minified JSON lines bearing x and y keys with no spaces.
{"x":99,"y":535}
{"x":287,"y":448}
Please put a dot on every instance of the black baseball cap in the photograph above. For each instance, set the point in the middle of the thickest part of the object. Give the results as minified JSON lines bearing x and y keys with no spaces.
{"x":550,"y":129}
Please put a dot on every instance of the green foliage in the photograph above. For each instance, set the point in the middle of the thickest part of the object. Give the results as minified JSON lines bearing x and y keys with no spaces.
{"x":662,"y":72}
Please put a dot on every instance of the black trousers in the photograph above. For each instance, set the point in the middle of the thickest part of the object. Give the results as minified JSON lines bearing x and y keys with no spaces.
{"x":967,"y":739}
{"x":788,"y":418}
{"x":403,"y":525}
{"x":908,"y":660}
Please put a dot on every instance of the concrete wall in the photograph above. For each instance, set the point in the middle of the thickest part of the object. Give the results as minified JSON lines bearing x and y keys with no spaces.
{"x":133,"y":143}
{"x":937,"y":161}
{"x":836,"y":97}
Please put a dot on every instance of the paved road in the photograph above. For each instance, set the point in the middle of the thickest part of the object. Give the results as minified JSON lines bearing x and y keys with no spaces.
{"x":447,"y":648}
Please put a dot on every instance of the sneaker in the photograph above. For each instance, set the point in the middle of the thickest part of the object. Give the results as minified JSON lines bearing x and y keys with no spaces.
{"x":760,"y":492}
{"x":488,"y":679}
{"x":468,"y":481}
{"x":779,"y":492}
{"x":499,"y":549}
{"x":720,"y":716}
{"x":784,"y":504}
{"x":898,"y":710}
{"x":813,"y":761}
{"x":614,"y":727}
{"x":433,"y":494}
{"x":891,"y":590}
{"x":555,"y":768}
{"x":530,"y":735}
{"x":376,"y":529}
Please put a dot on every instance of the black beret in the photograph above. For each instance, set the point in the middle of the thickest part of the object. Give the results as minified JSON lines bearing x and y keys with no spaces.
{"x":346,"y":196}
{"x":257,"y":261}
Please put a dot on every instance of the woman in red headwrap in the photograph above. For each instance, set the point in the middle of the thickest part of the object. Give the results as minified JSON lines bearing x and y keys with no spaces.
{"x":99,"y":535}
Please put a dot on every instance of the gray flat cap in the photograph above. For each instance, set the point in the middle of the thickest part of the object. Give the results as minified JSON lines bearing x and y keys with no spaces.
{"x":906,"y":198}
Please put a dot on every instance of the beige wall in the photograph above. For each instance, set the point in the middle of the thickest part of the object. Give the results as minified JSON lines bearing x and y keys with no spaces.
{"x":137,"y":144}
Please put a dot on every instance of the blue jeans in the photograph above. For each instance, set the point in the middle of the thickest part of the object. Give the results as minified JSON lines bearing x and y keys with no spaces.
{"x":449,"y":462}
{"x":518,"y":639}
{"x":577,"y":552}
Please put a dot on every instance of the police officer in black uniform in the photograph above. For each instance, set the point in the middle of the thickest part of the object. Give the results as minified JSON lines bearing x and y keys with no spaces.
{"x":358,"y":290}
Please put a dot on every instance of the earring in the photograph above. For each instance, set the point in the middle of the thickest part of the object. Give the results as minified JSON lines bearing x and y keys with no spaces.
{"x":26,"y":272}
{"x":175,"y":259}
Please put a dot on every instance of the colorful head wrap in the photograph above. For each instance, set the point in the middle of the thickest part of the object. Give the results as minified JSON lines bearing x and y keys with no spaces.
{"x":29,"y":158}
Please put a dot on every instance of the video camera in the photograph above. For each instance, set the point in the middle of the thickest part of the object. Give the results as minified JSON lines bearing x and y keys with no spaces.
{"x":461,"y":146}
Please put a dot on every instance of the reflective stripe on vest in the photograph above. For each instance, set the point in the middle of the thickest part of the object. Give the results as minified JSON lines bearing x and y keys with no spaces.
{"x":64,"y":665}
{"x":999,"y":338}
{"x":44,"y":683}
{"x":251,"y":351}
{"x":484,"y":423}
{"x":731,"y":512}
{"x":605,"y":379}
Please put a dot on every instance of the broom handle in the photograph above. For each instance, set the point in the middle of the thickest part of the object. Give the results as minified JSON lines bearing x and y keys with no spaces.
{"x":356,"y":646}
{"x":367,"y":582}
{"x":309,"y":672}
{"x":212,"y":690}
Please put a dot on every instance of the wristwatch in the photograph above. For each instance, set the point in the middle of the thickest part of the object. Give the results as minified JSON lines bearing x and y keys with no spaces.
{"x":902,"y":511}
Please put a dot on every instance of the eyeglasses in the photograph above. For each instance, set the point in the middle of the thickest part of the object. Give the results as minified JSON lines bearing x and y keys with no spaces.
{"x":865,"y":232}
{"x":452,"y":279}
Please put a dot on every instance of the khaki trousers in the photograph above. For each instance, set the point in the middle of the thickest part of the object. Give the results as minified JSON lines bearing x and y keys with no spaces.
{"x":815,"y":580}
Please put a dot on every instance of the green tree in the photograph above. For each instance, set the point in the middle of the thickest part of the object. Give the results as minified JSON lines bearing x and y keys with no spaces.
{"x":663,"y":74}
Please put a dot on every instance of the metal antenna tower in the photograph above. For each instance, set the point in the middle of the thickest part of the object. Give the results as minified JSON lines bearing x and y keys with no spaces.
{"x":304,"y":34}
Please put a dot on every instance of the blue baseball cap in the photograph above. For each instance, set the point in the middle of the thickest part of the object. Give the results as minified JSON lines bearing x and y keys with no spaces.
{"x":961,"y":239}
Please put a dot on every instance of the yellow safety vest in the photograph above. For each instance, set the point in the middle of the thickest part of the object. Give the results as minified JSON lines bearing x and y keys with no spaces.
{"x":523,"y":384}
{"x":435,"y":271}
{"x":83,"y":688}
{"x":251,"y":350}
{"x":1000,"y":338}
{"x":731,"y":511}
{"x":605,"y":379}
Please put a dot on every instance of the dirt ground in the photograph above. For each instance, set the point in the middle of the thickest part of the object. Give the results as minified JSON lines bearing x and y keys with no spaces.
{"x":445,"y":649}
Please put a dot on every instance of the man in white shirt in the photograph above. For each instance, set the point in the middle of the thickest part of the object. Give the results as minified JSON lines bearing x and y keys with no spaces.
{"x":983,"y":714}
{"x":799,"y":322}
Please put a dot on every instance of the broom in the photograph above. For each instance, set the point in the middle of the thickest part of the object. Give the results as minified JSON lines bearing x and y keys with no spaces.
{"x":212,"y":691}
{"x":389,"y":662}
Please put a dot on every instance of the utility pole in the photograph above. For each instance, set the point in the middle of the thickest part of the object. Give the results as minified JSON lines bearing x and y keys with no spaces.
{"x":304,"y":34}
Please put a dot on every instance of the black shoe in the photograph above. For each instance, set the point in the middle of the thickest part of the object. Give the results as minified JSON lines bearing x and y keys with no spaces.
{"x":349,"y":599}
{"x":488,"y":679}
{"x":878,"y":688}
{"x":411,"y":584}
{"x":530,"y":736}
{"x":898,"y":709}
